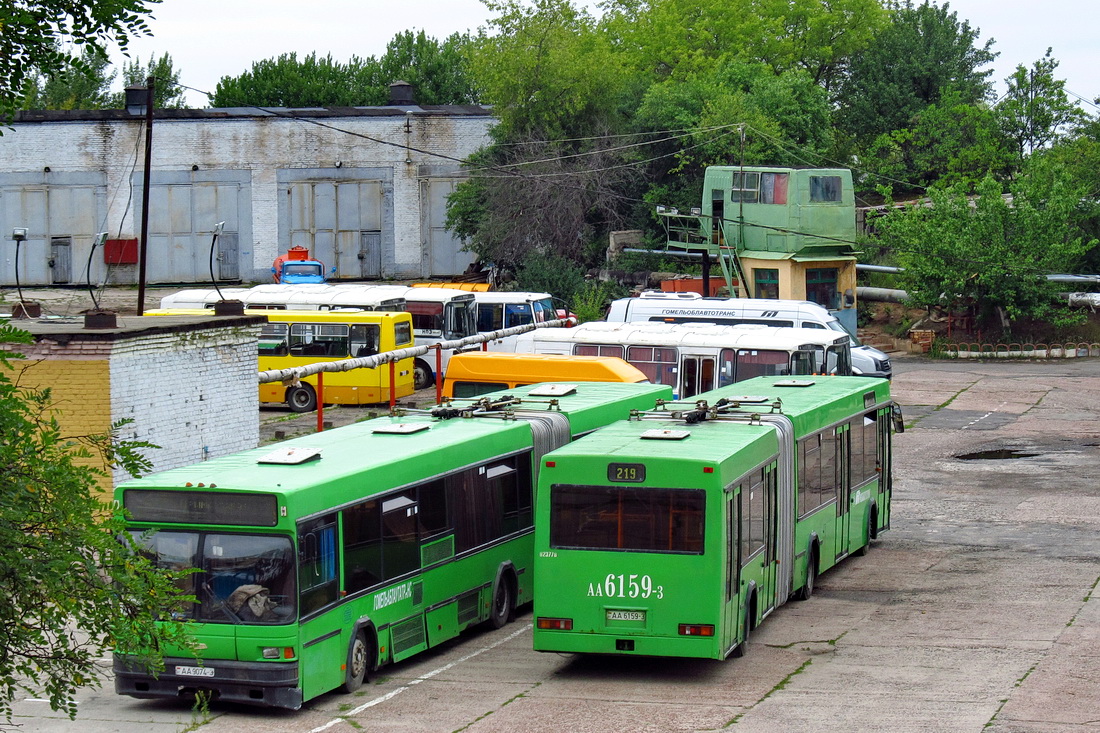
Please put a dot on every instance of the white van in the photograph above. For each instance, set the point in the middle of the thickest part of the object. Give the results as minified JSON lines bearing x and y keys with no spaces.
{"x":497,"y":310}
{"x":663,"y":307}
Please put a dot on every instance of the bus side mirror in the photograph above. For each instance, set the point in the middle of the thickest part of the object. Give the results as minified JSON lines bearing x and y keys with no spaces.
{"x":896,"y":418}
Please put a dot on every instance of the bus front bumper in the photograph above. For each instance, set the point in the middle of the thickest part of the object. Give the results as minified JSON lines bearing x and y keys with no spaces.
{"x":266,"y":684}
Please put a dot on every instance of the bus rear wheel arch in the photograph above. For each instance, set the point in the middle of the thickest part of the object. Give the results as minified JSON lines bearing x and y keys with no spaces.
{"x":872,"y":532}
{"x":301,"y":398}
{"x":503,"y":608}
{"x":807,"y":589}
{"x":423,"y":377}
{"x":750,"y":614}
{"x":358,"y":663}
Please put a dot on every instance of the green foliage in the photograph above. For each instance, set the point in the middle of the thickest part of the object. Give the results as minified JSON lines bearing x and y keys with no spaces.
{"x":990,"y":255}
{"x":913,"y":61}
{"x":681,"y":39}
{"x":547,"y":70}
{"x":592,"y":301}
{"x":551,"y":273}
{"x":72,"y":591}
{"x":312,"y":82}
{"x":1035,"y":111}
{"x":785,"y":117}
{"x":86,"y":86}
{"x":436,"y":71}
{"x":949,"y":142}
{"x":167,"y":93}
{"x":36,"y":32}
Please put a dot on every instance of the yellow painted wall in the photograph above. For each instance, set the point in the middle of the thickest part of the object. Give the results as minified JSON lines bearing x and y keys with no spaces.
{"x":80,"y":391}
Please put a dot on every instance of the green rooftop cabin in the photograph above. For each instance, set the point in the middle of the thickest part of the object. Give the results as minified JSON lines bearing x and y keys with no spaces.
{"x":777,"y":233}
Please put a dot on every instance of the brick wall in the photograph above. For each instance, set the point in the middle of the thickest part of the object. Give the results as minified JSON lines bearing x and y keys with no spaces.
{"x":193,"y":393}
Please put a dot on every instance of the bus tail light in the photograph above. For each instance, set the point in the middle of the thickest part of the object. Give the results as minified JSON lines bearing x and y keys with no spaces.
{"x":555,"y":624}
{"x":696,"y":629}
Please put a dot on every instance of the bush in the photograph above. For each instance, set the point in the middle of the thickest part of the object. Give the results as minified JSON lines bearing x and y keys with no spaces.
{"x":550,"y":273}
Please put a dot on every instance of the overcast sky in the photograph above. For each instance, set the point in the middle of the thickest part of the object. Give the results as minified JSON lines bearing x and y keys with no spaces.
{"x":209,"y":39}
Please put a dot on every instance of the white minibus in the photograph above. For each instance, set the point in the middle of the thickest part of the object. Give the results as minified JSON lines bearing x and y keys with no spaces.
{"x":664,"y":307}
{"x":695,"y":358}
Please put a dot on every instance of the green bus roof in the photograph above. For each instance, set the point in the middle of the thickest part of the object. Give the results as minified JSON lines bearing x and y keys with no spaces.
{"x":350,"y":463}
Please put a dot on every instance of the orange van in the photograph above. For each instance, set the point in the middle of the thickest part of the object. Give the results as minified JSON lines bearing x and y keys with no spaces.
{"x":474,"y":373}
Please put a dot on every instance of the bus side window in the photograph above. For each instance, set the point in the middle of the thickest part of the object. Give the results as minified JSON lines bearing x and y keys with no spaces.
{"x":362,"y":546}
{"x":317,"y":563}
{"x":490,"y":316}
{"x":364,"y":339}
{"x":517,"y":314}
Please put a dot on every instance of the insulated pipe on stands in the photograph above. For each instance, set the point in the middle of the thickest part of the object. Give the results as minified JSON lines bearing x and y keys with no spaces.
{"x":886,"y":295}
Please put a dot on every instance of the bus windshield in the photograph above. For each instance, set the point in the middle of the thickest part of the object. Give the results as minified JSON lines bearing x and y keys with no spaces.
{"x":238,"y":578}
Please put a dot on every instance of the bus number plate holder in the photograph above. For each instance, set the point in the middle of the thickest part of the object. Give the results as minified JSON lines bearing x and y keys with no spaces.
{"x":195,"y":671}
{"x":616,"y":615}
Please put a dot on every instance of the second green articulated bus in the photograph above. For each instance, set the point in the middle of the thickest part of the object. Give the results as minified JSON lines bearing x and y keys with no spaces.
{"x":677,"y":532}
{"x":318,"y":559}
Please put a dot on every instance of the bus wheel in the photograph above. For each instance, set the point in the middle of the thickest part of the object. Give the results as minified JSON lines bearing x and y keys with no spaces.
{"x":503,"y":603}
{"x":807,"y":590}
{"x":742,"y":649}
{"x":355,"y":671}
{"x":862,"y":549}
{"x":422,"y":375}
{"x":301,"y":398}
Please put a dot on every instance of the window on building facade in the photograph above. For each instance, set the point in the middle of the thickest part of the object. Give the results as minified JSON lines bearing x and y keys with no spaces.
{"x":821,"y":287}
{"x":766,"y":281}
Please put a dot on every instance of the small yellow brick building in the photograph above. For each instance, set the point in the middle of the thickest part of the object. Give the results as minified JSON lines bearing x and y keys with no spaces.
{"x":187,"y":386}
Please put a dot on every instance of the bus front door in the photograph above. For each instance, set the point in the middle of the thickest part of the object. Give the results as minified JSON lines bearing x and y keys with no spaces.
{"x":843,"y":482}
{"x":731,"y":599}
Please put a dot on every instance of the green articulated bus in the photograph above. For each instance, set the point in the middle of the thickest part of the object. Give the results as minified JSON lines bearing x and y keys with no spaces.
{"x":676,"y":532}
{"x":324,"y":557}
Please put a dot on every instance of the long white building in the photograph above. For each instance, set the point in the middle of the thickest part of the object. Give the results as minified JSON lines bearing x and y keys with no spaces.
{"x":363,"y":188}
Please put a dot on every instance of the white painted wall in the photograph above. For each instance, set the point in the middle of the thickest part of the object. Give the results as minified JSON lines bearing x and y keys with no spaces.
{"x":240,"y":143}
{"x":194,"y":394}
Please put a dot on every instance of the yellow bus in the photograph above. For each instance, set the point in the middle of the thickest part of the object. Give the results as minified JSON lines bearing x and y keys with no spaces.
{"x":477,"y":372}
{"x":298,"y":338}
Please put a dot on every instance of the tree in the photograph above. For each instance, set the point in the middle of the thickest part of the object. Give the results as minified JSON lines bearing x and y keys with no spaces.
{"x":912,"y":63}
{"x":72,"y":590}
{"x":538,"y":198}
{"x":681,"y":38}
{"x":949,"y":142}
{"x":1035,"y":110}
{"x":990,"y":254}
{"x":167,"y":92}
{"x":86,"y":86}
{"x":437,"y":71}
{"x":311,"y":82}
{"x":33,"y":34}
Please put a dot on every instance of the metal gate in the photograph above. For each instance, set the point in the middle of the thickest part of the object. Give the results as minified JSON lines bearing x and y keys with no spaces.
{"x":333,"y":218}
{"x":444,"y":250}
{"x":182,"y":217}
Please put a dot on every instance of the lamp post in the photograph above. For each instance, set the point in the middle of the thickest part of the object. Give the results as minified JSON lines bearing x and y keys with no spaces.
{"x":139,"y":100}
